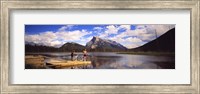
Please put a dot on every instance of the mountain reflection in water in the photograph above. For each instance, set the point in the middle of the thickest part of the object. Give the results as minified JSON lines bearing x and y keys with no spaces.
{"x":126,"y":61}
{"x":111,"y":60}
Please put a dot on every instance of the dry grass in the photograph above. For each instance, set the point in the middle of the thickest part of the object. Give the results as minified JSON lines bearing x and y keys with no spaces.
{"x":37,"y":62}
{"x":34,"y":62}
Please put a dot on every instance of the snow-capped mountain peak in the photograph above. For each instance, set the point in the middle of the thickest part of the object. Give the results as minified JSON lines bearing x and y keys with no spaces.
{"x":104,"y":44}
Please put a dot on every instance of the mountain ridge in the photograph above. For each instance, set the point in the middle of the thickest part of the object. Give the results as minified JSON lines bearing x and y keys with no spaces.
{"x":95,"y":44}
{"x":164,"y":43}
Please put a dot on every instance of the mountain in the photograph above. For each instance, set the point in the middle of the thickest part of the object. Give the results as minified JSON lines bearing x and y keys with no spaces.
{"x":33,"y":47}
{"x":67,"y":47}
{"x":98,"y":44}
{"x":70,"y":46}
{"x":95,"y":44}
{"x":164,"y":43}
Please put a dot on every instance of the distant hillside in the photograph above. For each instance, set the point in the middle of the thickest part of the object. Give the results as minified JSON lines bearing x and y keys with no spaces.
{"x":39,"y":48}
{"x":68,"y":47}
{"x":98,"y":44}
{"x":164,"y":43}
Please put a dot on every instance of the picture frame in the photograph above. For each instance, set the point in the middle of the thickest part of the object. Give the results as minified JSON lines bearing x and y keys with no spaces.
{"x":7,"y":6}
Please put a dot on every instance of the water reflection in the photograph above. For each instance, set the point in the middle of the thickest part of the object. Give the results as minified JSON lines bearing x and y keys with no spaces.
{"x":109,"y":60}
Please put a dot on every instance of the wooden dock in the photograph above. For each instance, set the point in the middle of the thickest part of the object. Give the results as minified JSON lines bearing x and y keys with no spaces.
{"x":68,"y":64}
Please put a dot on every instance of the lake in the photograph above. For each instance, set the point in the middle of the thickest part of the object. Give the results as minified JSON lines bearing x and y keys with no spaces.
{"x":112,"y":60}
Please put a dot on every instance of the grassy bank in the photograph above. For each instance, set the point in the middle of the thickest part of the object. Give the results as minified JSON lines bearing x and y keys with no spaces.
{"x":34,"y":62}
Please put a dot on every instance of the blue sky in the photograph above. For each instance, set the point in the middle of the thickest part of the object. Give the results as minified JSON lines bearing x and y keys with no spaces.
{"x":130,"y":36}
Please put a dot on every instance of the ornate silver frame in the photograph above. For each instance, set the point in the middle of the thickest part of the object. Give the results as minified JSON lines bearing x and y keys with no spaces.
{"x":8,"y":5}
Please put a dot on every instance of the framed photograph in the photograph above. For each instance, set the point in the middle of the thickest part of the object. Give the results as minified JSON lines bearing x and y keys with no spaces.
{"x":112,"y":46}
{"x":100,"y":46}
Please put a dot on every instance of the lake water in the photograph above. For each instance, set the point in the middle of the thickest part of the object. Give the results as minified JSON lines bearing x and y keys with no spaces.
{"x":111,"y":60}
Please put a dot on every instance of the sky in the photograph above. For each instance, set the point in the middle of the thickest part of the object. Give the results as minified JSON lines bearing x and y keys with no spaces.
{"x":130,"y":36}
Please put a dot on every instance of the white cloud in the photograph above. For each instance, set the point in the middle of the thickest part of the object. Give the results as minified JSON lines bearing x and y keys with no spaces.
{"x":56,"y":43}
{"x":63,"y":28}
{"x":83,"y":41}
{"x":140,"y":26}
{"x":129,"y":42}
{"x":161,"y":29}
{"x":133,"y":39}
{"x":97,"y":28}
{"x":111,"y":29}
{"x":127,"y":27}
{"x":71,"y":35}
{"x":119,"y":40}
{"x":131,"y":45}
{"x":51,"y":38}
{"x":103,"y":35}
{"x":46,"y":38}
{"x":146,"y":32}
{"x":141,"y":35}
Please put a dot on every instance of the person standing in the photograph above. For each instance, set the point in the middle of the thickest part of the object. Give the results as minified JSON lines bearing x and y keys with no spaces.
{"x":72,"y":55}
{"x":84,"y":55}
